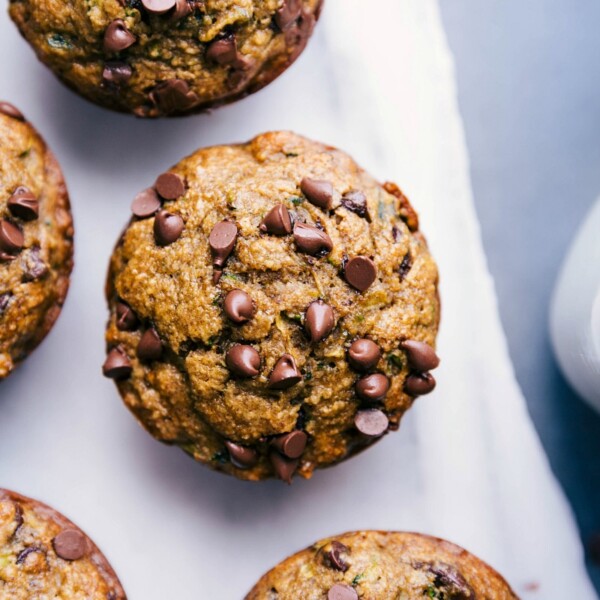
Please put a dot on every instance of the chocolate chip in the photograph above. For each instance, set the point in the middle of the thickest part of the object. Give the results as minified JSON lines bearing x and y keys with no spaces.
{"x":24,"y":204}
{"x":450,"y":582}
{"x":243,"y":361}
{"x":356,"y":202}
{"x":116,"y":73}
{"x":70,"y":544}
{"x":241,"y":457}
{"x":373,"y":388}
{"x":173,"y":95}
{"x":223,"y":51}
{"x":285,"y":373}
{"x":288,"y":14}
{"x":277,"y":221}
{"x":117,"y":37}
{"x":167,"y":228}
{"x":419,"y":384}
{"x":33,"y":265}
{"x":405,"y":266}
{"x":283,"y":467}
{"x":320,"y":320}
{"x":4,"y":301}
{"x":11,"y":111}
{"x":291,"y":444}
{"x":117,"y":364}
{"x":146,"y":204}
{"x":239,"y":306}
{"x":222,"y":242}
{"x":11,"y":237}
{"x":311,"y":240}
{"x":318,"y":192}
{"x":335,"y":556}
{"x":421,"y":356}
{"x":126,"y":318}
{"x":396,"y":234}
{"x":360,"y":272}
{"x":170,"y":186}
{"x":371,"y":422}
{"x":340,"y":591}
{"x":149,"y":347}
{"x":182,"y":9}
{"x":363,"y":354}
{"x":158,"y":7}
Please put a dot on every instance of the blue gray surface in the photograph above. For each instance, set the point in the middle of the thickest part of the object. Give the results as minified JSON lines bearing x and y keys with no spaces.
{"x":529,"y":94}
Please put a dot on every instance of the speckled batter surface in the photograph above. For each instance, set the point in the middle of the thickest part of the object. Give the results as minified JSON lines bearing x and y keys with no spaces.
{"x":185,"y":388}
{"x":129,"y":55}
{"x":378,"y":565}
{"x":44,"y":556}
{"x":36,"y":240}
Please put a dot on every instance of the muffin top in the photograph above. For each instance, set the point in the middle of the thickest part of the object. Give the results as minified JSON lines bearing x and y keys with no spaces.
{"x":36,"y":238}
{"x":382,"y":565}
{"x":273,"y":308}
{"x":166,"y":57}
{"x":44,"y":555}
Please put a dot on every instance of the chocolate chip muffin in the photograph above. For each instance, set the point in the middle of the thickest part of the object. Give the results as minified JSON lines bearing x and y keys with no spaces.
{"x":44,"y":555}
{"x":166,"y":57}
{"x":273,"y":309}
{"x":36,"y":239}
{"x":383,"y":565}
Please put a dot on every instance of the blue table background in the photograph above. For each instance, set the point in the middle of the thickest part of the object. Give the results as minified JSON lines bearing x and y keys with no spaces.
{"x":529,"y":93}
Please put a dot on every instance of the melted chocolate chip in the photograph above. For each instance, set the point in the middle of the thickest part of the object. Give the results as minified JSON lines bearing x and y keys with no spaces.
{"x":117,"y":37}
{"x":311,"y":240}
{"x":291,"y":444}
{"x":173,"y":96}
{"x":405,"y":266}
{"x":11,"y":111}
{"x":182,"y":9}
{"x":288,"y":14}
{"x":421,"y":356}
{"x":149,"y":347}
{"x":170,"y":186}
{"x":146,"y":204}
{"x":22,"y":556}
{"x":70,"y":544}
{"x":241,"y":457}
{"x":125,"y":317}
{"x":356,"y":202}
{"x":24,"y":204}
{"x":285,"y":374}
{"x":116,"y":73}
{"x":373,"y":388}
{"x":167,"y":228}
{"x":335,"y":556}
{"x":319,"y":321}
{"x":363,"y":354}
{"x":318,"y":192}
{"x":223,"y":51}
{"x":11,"y":237}
{"x":277,"y":221}
{"x":341,"y":591}
{"x":419,"y":384}
{"x":4,"y":301}
{"x":117,"y":365}
{"x":283,"y":467}
{"x":33,"y":265}
{"x":239,"y":307}
{"x":158,"y":7}
{"x":360,"y":273}
{"x":371,"y":422}
{"x":243,"y":361}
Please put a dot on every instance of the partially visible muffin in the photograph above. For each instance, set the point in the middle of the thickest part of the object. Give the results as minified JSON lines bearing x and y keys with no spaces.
{"x":382,"y":565}
{"x":273,"y":308}
{"x":36,"y":239}
{"x":155,"y":58}
{"x":44,"y":555}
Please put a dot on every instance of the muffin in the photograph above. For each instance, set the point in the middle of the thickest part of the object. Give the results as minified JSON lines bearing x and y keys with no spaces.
{"x":384,"y":565}
{"x":36,"y":239}
{"x":44,"y":555}
{"x":155,"y":58}
{"x":273,"y":309}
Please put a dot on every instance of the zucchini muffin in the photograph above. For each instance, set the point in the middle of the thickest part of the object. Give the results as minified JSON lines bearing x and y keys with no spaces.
{"x":273,"y":309}
{"x":382,"y":565}
{"x":156,"y":58}
{"x":44,"y":555}
{"x":36,"y":239}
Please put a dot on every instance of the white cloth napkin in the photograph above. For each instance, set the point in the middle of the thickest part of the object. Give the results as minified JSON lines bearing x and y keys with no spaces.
{"x":378,"y":81}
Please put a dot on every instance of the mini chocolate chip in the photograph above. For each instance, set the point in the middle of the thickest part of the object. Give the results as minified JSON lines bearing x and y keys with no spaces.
{"x":373,"y":388}
{"x":4,"y":301}
{"x":146,"y":203}
{"x":291,"y":444}
{"x":239,"y":306}
{"x":363,"y":354}
{"x":222,"y":242}
{"x":172,"y":96}
{"x":223,"y":51}
{"x":283,"y":467}
{"x":70,"y":544}
{"x":405,"y":266}
{"x":421,"y":356}
{"x":340,"y":591}
{"x":277,"y":221}
{"x":335,"y":556}
{"x":285,"y":374}
{"x":288,"y":14}
{"x":319,"y":320}
{"x":149,"y":347}
{"x":158,"y":7}
{"x":11,"y":111}
{"x":117,"y":37}
{"x":243,"y":361}
{"x":116,"y":72}
{"x":318,"y":192}
{"x":241,"y":457}
{"x":356,"y":202}
{"x":33,"y":265}
{"x":167,"y":228}
{"x":311,"y":240}
{"x":182,"y":9}
{"x":419,"y":384}
{"x":371,"y":422}
{"x":117,"y":364}
{"x":126,"y":318}
{"x":24,"y":204}
{"x":11,"y":237}
{"x":360,"y":272}
{"x":170,"y":186}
